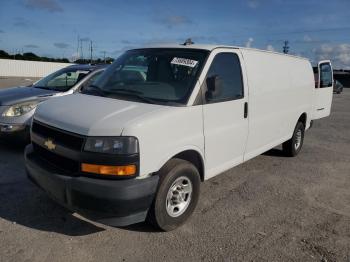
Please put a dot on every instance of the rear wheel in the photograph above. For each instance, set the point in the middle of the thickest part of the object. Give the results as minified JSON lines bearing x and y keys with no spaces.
{"x":293,"y":146}
{"x":177,"y":195}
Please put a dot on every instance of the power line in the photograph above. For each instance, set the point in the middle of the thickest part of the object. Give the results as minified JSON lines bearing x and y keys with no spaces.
{"x":104,"y":56}
{"x":78,"y":54}
{"x":91,"y":51}
{"x":81,"y":49}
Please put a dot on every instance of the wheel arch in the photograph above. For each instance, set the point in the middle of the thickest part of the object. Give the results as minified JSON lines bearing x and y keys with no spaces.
{"x":194,"y":157}
{"x":303,"y":119}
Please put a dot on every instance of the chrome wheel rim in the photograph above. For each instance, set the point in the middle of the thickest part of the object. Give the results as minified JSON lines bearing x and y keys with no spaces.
{"x":298,"y":136}
{"x":179,"y":196}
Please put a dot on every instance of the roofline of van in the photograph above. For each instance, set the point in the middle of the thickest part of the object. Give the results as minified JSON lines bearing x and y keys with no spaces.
{"x":212,"y":47}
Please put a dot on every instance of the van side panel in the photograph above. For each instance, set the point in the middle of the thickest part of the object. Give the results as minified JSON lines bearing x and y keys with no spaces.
{"x":302,"y":76}
{"x":280,"y":91}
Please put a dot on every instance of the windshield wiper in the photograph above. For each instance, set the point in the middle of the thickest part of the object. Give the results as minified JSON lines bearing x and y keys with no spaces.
{"x":42,"y":87}
{"x":93,"y":88}
{"x":132,"y":93}
{"x":124,"y":90}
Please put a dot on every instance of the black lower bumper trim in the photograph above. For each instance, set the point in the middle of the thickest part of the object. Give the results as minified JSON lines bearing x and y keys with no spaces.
{"x":20,"y":133}
{"x":112,"y":202}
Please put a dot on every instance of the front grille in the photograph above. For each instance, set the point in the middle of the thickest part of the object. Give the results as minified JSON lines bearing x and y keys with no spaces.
{"x":61,"y":137}
{"x":60,"y":162}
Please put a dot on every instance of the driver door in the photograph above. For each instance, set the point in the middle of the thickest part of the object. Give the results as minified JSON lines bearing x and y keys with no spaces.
{"x":225,"y":112}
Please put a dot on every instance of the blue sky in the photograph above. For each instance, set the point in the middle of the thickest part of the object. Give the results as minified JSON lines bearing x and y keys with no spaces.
{"x":317,"y":29}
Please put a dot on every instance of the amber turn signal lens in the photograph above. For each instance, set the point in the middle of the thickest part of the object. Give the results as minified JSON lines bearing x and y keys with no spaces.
{"x":109,"y":170}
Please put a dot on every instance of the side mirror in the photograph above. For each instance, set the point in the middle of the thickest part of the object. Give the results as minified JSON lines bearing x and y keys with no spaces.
{"x":214,"y":87}
{"x":69,"y":74}
{"x":83,"y":87}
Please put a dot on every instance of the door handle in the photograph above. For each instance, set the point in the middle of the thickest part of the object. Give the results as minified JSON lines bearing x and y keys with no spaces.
{"x":245,"y":109}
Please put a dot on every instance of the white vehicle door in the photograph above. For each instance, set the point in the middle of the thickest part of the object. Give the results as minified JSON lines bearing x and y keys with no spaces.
{"x":323,"y":92}
{"x":225,"y":111}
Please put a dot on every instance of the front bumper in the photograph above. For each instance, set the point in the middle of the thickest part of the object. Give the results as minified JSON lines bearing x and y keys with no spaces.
{"x":17,"y":131}
{"x":17,"y":127}
{"x":111,"y":202}
{"x":12,"y":128}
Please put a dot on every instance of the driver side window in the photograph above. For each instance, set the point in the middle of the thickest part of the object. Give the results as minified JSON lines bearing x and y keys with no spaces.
{"x":226,"y":69}
{"x":63,"y":80}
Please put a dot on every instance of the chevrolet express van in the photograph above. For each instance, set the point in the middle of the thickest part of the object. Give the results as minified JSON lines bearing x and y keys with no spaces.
{"x":137,"y":144}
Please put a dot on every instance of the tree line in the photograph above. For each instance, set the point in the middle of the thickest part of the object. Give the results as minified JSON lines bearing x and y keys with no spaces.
{"x":29,"y":56}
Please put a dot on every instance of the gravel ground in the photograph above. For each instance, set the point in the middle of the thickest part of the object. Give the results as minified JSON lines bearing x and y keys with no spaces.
{"x":271,"y":208}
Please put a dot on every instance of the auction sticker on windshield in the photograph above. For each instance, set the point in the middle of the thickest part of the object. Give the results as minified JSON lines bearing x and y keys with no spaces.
{"x":184,"y":62}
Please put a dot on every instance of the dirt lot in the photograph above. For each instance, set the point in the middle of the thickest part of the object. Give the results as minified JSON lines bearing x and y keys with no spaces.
{"x":271,"y":208}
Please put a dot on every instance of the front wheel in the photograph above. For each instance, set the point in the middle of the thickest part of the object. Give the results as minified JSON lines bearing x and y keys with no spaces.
{"x":293,"y":146}
{"x":177,"y":195}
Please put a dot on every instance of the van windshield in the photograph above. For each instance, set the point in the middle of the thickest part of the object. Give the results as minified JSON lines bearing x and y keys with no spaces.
{"x":154,"y":75}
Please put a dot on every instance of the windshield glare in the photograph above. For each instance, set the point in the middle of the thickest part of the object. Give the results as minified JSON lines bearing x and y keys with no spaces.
{"x":62,"y":80}
{"x":162,"y":76}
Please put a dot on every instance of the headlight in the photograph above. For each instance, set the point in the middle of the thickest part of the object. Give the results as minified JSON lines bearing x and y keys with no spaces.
{"x":112,"y":145}
{"x":20,"y":109}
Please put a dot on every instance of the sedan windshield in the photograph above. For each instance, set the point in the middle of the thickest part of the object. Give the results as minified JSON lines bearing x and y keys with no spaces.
{"x":62,"y":80}
{"x":154,"y":75}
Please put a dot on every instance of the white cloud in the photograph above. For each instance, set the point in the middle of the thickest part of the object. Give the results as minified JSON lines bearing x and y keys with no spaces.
{"x":339,"y":54}
{"x":253,"y":3}
{"x":48,"y":5}
{"x":307,"y":38}
{"x":249,"y":42}
{"x":61,"y":45}
{"x":74,"y":56}
{"x":174,"y":20}
{"x":270,"y":48}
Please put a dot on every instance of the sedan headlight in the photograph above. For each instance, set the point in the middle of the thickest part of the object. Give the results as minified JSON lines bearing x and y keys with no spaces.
{"x":112,"y":145}
{"x":20,"y":109}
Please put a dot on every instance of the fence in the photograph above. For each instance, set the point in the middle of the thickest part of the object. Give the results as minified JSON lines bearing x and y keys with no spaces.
{"x":19,"y":68}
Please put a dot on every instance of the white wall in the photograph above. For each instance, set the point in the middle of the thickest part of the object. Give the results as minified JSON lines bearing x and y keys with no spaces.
{"x":19,"y":68}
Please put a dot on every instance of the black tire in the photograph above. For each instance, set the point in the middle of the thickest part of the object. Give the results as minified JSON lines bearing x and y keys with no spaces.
{"x":292,"y":147}
{"x":174,"y":170}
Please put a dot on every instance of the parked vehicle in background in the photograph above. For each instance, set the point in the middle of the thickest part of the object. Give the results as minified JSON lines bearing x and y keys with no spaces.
{"x":17,"y":104}
{"x":137,"y":143}
{"x":338,"y":87}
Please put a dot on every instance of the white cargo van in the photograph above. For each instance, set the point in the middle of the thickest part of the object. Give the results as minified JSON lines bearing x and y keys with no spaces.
{"x":137,"y":144}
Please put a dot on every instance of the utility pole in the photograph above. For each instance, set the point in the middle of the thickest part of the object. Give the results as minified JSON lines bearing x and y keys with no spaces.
{"x":81,"y":49}
{"x":286,"y":47}
{"x":78,"y":54}
{"x":104,"y":56}
{"x":90,"y":51}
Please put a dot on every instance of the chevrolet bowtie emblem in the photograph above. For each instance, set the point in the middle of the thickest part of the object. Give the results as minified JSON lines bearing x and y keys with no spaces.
{"x":49,"y":144}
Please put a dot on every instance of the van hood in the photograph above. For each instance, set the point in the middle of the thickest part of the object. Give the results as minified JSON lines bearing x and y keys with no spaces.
{"x":92,"y":115}
{"x":15,"y":95}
